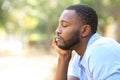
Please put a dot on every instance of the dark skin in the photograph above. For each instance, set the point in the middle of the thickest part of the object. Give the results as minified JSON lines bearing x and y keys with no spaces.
{"x":74,"y":35}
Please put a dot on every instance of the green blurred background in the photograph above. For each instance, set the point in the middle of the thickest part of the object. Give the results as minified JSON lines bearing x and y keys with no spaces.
{"x":27,"y":27}
{"x":33,"y":22}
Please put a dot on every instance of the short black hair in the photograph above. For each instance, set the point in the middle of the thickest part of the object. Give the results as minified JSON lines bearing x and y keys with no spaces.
{"x":87,"y":15}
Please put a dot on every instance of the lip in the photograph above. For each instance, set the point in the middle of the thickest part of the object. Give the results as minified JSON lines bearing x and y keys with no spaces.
{"x":57,"y":38}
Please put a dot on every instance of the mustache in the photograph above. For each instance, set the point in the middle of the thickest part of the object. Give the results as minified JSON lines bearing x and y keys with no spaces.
{"x":59,"y":37}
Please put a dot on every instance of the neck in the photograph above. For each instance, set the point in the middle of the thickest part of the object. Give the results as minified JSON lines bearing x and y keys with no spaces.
{"x":81,"y":47}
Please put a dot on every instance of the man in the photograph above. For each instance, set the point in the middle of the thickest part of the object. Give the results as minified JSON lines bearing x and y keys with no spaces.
{"x":97,"y":58}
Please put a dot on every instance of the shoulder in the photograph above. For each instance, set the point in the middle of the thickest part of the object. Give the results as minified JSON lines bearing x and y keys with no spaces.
{"x":104,"y":56}
{"x":103,"y":49}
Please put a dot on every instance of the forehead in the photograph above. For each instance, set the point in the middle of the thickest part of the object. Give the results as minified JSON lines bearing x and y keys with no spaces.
{"x":69,"y":15}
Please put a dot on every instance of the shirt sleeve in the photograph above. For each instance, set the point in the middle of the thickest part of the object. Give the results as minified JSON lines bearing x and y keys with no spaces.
{"x":74,"y":69}
{"x":107,"y":72}
{"x":104,"y":64}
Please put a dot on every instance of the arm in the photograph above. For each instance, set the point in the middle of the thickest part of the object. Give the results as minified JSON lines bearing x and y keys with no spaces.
{"x":72,"y":78}
{"x":63,"y":63}
{"x":62,"y":69}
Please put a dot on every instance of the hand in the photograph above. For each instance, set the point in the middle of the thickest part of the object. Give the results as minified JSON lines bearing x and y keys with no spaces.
{"x":60,"y":51}
{"x":63,"y":62}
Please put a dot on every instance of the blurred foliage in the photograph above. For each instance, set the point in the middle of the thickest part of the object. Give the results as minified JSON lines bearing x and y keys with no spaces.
{"x":36,"y":20}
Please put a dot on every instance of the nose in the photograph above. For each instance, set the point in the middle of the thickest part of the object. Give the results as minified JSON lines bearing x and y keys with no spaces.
{"x":58,"y":30}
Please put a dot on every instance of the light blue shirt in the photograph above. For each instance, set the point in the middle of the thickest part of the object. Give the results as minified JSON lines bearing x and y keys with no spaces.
{"x":101,"y":60}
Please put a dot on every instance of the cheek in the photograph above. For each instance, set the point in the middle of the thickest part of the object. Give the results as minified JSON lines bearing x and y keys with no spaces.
{"x":68,"y":33}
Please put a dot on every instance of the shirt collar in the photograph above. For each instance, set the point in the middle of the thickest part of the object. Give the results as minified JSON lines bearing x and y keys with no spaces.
{"x":93,"y":38}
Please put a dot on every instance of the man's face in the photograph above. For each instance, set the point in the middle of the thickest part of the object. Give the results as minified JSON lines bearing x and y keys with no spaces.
{"x":68,"y":30}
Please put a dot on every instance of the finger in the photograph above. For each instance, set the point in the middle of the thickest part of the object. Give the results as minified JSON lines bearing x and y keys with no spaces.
{"x":53,"y":43}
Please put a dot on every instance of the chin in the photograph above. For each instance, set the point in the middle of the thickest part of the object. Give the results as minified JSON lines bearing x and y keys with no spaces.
{"x":64,"y":47}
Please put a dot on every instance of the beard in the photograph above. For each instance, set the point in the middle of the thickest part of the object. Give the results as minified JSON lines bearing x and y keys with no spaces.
{"x":68,"y":44}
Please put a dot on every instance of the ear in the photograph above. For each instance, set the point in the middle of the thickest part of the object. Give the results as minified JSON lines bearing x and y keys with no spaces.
{"x":86,"y":30}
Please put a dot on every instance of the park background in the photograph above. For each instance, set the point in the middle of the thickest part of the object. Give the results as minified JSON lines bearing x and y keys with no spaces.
{"x":27,"y":28}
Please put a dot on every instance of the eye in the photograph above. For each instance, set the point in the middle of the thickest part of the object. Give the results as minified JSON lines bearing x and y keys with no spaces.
{"x":64,"y":24}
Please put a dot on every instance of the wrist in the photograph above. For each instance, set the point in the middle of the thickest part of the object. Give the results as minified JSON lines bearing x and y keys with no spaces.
{"x":65,"y":58}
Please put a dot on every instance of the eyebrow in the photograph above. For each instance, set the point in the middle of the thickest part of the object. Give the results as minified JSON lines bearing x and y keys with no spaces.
{"x":63,"y":21}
